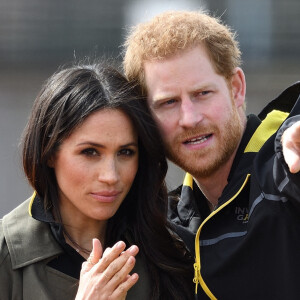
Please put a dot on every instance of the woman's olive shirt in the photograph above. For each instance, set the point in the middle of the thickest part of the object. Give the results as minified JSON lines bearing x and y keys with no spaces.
{"x":35,"y":263}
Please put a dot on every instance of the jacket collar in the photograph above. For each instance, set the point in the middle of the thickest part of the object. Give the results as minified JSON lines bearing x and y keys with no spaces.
{"x":22,"y":232}
{"x":284,"y":102}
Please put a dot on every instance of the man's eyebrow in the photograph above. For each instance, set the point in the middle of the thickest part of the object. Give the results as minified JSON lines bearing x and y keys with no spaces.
{"x":162,"y":97}
{"x":167,"y":96}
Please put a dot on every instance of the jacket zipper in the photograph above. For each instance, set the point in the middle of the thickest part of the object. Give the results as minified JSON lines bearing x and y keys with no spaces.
{"x":197,"y":265}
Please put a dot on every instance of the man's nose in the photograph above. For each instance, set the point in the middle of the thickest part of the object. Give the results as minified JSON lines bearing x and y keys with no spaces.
{"x":190,"y":114}
{"x":108,"y":171}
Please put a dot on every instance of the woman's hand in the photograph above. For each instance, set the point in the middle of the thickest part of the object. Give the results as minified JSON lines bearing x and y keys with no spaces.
{"x":107,"y":277}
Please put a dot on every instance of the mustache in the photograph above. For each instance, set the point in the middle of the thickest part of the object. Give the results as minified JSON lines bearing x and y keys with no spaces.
{"x":188,"y":134}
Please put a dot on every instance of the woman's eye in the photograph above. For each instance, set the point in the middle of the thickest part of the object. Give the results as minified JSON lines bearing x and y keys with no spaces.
{"x":90,"y":152}
{"x":127,"y":152}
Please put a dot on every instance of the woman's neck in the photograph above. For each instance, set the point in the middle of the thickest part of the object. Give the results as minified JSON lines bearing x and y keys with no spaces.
{"x":80,"y":237}
{"x":79,"y":231}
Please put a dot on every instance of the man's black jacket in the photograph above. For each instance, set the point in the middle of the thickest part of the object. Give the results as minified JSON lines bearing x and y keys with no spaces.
{"x":248,"y":248}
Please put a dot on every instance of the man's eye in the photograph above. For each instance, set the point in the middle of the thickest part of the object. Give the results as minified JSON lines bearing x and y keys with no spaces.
{"x":203,"y":93}
{"x":171,"y":101}
{"x":90,"y":152}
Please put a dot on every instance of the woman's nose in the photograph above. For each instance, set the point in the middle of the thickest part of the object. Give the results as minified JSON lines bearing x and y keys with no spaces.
{"x":108,"y":171}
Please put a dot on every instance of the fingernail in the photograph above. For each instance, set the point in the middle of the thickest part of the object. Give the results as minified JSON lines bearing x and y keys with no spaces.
{"x":133,"y":249}
{"x":119,"y":244}
{"x":134,"y":277}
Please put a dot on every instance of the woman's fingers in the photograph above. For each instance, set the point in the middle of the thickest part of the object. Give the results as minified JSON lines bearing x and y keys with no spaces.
{"x":93,"y":258}
{"x":118,"y":270}
{"x":109,"y":277}
{"x":121,"y":291}
{"x":120,"y":281}
{"x":113,"y":253}
{"x":116,"y":275}
{"x":97,"y":251}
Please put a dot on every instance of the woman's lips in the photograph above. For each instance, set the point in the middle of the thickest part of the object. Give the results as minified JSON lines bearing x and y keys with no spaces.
{"x":106,"y":196}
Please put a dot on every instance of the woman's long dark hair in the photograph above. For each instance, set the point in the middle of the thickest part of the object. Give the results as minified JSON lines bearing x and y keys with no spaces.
{"x":65,"y":101}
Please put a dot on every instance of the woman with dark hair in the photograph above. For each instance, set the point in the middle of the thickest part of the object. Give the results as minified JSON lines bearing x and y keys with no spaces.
{"x":94,"y":157}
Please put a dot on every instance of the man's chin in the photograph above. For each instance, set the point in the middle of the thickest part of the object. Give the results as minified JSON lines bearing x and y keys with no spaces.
{"x":181,"y":161}
{"x":198,"y":166}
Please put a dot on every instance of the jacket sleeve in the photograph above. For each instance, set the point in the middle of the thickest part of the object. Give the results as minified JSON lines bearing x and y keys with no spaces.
{"x":287,"y":183}
{"x":10,"y":280}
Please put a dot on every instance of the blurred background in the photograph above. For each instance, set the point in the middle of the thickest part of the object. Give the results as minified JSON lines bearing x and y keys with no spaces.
{"x":37,"y":36}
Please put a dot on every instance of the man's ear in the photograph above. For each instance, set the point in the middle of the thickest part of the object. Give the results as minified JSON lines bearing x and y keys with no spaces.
{"x":238,"y":87}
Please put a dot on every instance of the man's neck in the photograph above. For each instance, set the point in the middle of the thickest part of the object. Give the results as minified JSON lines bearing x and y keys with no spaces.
{"x":213,"y":185}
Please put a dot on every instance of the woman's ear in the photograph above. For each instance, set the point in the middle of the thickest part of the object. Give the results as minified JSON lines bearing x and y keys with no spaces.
{"x":238,"y":87}
{"x":50,"y":162}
